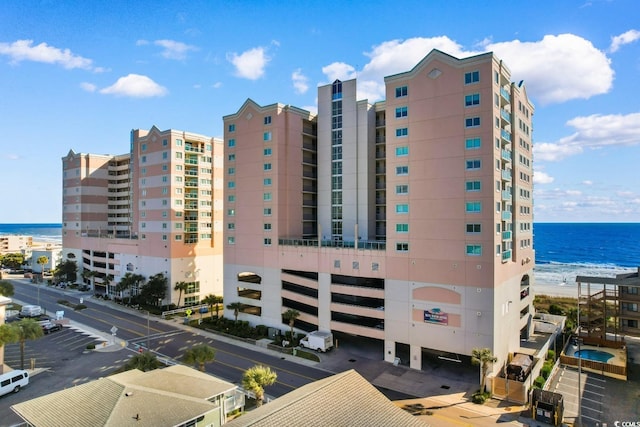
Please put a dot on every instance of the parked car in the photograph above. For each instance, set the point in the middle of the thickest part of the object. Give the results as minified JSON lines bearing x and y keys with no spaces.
{"x":50,"y":327}
{"x":31,"y":311}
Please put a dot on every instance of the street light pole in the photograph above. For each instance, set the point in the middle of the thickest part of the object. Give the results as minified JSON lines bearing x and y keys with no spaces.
{"x":579,"y":362}
{"x":148,"y":333}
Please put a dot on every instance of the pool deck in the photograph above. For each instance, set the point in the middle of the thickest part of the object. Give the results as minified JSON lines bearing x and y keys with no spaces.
{"x":619,"y":360}
{"x":619,"y":354}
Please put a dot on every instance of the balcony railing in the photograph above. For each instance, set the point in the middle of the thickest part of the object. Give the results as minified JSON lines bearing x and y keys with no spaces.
{"x":506,"y":216}
{"x":506,"y":155}
{"x":506,"y":255}
{"x":505,"y":94}
{"x":506,"y":174}
{"x":506,"y":116}
{"x":506,"y":195}
{"x":506,"y":235}
{"x":505,"y":135}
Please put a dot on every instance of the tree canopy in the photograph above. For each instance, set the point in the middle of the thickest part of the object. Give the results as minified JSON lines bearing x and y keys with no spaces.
{"x":66,"y":271}
{"x":155,"y":289}
{"x":256,"y":379}
{"x":25,"y":329}
{"x":145,"y":361}
{"x":6,"y":288}
{"x":13,"y":260}
{"x":483,"y":357}
{"x":199,"y":354}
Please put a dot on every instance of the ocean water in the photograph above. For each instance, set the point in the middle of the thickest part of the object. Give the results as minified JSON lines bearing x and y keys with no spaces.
{"x":567,"y":250}
{"x":563,"y":250}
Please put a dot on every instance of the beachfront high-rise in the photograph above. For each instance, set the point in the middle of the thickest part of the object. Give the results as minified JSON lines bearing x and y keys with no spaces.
{"x":408,"y":220}
{"x":156,"y":209}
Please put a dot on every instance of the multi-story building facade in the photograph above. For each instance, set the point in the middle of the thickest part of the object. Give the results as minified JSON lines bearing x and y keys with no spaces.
{"x":407,"y":221}
{"x":156,"y":209}
{"x":15,"y":244}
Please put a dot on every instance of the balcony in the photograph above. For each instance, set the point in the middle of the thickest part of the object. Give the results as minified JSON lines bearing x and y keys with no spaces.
{"x":191,"y":183}
{"x":505,"y":94}
{"x":191,"y":161}
{"x":506,"y":174}
{"x":193,"y":149}
{"x":506,"y":235}
{"x":506,"y":155}
{"x":505,"y":135}
{"x":506,"y":216}
{"x":506,"y":195}
{"x":506,"y":256}
{"x":191,"y":196}
{"x":506,"y":116}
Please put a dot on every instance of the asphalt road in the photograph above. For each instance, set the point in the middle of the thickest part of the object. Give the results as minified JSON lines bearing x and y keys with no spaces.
{"x":64,"y":352}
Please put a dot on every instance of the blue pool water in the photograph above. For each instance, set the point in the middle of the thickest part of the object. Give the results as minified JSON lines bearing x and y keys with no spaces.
{"x":597,"y":355}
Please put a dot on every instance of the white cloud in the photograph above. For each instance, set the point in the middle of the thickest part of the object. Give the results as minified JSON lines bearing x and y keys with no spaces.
{"x":585,"y":70}
{"x":557,"y":68}
{"x":173,"y":49}
{"x":142,"y":42}
{"x":624,"y":38}
{"x":300,"y":82}
{"x":24,"y":50}
{"x":136,"y":86}
{"x":339,"y":71}
{"x":217,"y":85}
{"x":88,"y":87}
{"x":197,"y":86}
{"x":542,"y":178}
{"x":11,"y":156}
{"x":595,"y":131}
{"x":587,"y":182}
{"x":249,"y":64}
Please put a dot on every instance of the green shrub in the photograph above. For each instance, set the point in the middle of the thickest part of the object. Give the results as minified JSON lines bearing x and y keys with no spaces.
{"x":480,"y":397}
{"x":91,"y":346}
{"x":556,"y":309}
{"x":539,"y":382}
{"x":262,"y":330}
{"x":546,"y":370}
{"x":79,"y":307}
{"x":551,"y":355}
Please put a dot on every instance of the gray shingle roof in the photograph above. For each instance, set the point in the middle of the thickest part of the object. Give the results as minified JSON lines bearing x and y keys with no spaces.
{"x":344,"y":399}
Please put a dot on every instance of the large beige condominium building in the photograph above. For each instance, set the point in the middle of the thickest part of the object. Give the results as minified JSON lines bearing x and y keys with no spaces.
{"x":156,"y":209}
{"x":407,"y":221}
{"x":15,"y":244}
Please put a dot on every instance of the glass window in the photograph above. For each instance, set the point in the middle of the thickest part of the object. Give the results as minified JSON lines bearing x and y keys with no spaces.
{"x":472,"y":122}
{"x":266,"y":166}
{"x":402,"y":208}
{"x":266,"y":181}
{"x":267,"y":227}
{"x":231,"y":198}
{"x":231,"y":184}
{"x":267,"y":241}
{"x":402,"y":228}
{"x":231,"y":212}
{"x":266,"y":136}
{"x":231,"y":240}
{"x":474,"y":228}
{"x":266,"y":197}
{"x":143,"y":159}
{"x":267,"y":120}
{"x":401,"y":91}
{"x":232,"y":157}
{"x":143,"y":147}
{"x":401,"y":132}
{"x":232,"y":142}
{"x":402,"y":170}
{"x":402,"y":112}
{"x":232,"y":127}
{"x":402,"y":151}
{"x":165,"y":155}
{"x":266,"y":211}
{"x":179,"y":142}
{"x":472,"y":100}
{"x":473,"y":207}
{"x":474,"y":250}
{"x":472,"y":143}
{"x":472,"y":77}
{"x":402,"y":189}
{"x":267,"y":151}
{"x":472,"y":185}
{"x":231,"y":171}
{"x":473,"y":164}
{"x":402,"y":247}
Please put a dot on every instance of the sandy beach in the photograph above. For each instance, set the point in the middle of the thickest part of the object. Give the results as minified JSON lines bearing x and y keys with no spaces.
{"x":559,"y":290}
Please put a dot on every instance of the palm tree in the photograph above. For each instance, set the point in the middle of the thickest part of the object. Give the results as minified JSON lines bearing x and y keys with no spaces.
{"x":7,"y":335}
{"x":291,"y":315}
{"x":180,"y":287}
{"x":42,"y":261}
{"x":199,"y":354}
{"x":213,"y":300}
{"x":127,"y":282}
{"x":256,"y":379}
{"x":146,"y":361}
{"x":236,"y":307}
{"x":482,"y":357}
{"x":6,"y":288}
{"x":26,"y":329}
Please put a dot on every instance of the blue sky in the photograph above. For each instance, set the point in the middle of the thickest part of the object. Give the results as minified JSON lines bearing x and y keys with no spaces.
{"x":81,"y":74}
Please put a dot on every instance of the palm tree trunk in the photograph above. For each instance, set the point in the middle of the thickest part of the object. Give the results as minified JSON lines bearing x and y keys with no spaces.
{"x":21,"y":354}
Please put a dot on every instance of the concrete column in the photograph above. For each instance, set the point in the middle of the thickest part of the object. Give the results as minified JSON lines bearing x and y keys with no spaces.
{"x":416,"y":357}
{"x":389,"y":351}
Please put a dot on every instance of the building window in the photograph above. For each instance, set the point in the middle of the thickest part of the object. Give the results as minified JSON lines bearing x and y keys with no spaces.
{"x":178,"y":225}
{"x":402,"y":132}
{"x":164,"y":237}
{"x":231,"y":226}
{"x":165,"y":155}
{"x":474,"y":250}
{"x":401,"y":91}
{"x":402,"y":151}
{"x":179,"y":142}
{"x":402,"y":208}
{"x":178,"y":167}
{"x":266,"y":211}
{"x":231,"y":212}
{"x":232,"y":157}
{"x":232,"y":143}
{"x":232,"y":127}
{"x":266,"y":166}
{"x":402,"y":170}
{"x":472,"y":143}
{"x":231,"y":198}
{"x":143,"y":159}
{"x":473,"y":207}
{"x":267,"y":227}
{"x":472,"y":186}
{"x":402,"y":228}
{"x":266,"y":197}
{"x":472,"y":122}
{"x":266,"y":181}
{"x":231,"y":240}
{"x":336,"y":263}
{"x":231,"y":171}
{"x":267,"y":151}
{"x":402,"y":247}
{"x":267,"y":120}
{"x":266,"y":136}
{"x":165,"y":190}
{"x":355,"y":265}
{"x":472,"y":77}
{"x":472,"y":164}
{"x":474,"y":228}
{"x":472,"y":100}
{"x":402,"y":189}
{"x":402,"y":112}
{"x":231,"y":184}
{"x":267,"y":241}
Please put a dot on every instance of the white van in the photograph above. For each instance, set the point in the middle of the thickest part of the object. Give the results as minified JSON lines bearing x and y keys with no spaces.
{"x":31,"y":311}
{"x":13,"y":381}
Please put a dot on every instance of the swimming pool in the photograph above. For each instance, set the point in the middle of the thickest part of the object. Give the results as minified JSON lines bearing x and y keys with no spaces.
{"x":597,"y":355}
